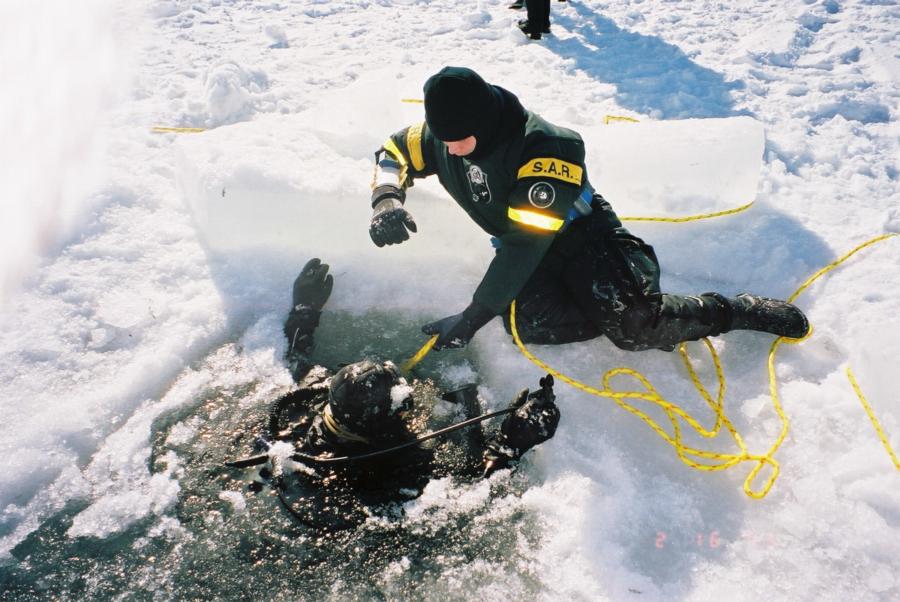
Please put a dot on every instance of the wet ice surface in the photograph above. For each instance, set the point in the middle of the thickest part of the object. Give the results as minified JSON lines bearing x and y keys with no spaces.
{"x":134,"y":360}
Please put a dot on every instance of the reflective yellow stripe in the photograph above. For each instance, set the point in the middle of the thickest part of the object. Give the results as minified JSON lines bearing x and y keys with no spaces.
{"x":390,"y":147}
{"x":533,"y":218}
{"x":414,"y":144}
{"x":548,"y":167}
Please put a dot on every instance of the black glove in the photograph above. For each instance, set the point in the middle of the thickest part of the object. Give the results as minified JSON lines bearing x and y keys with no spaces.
{"x":313,"y":286}
{"x":311,"y":291}
{"x":390,"y":221}
{"x":533,"y":422}
{"x":456,"y":331}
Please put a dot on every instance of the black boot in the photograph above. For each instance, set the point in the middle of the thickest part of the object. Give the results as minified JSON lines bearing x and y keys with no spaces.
{"x":750,"y":312}
{"x":529,"y":31}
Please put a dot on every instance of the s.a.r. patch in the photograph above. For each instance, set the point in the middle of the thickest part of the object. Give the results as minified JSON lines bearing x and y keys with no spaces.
{"x":541,"y":195}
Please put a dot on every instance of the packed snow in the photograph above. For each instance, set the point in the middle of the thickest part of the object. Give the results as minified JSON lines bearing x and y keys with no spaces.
{"x":145,"y":277}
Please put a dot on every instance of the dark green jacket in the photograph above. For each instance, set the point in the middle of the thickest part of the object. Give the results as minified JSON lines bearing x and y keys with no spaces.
{"x":523,"y":194}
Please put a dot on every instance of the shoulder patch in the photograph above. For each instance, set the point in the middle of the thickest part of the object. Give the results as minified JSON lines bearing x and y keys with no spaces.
{"x":541,"y":194}
{"x":548,"y":167}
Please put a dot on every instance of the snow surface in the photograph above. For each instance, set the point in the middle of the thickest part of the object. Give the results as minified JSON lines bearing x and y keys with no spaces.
{"x":117,"y":312}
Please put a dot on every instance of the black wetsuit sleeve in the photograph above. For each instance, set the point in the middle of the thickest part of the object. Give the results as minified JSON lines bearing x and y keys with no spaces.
{"x":519,"y":254}
{"x":299,"y":329}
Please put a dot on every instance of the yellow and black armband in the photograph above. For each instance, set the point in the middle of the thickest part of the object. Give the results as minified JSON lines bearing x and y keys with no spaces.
{"x":546,"y":191}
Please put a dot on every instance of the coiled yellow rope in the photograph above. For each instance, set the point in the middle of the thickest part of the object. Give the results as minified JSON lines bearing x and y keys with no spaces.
{"x":720,"y":461}
{"x":725,"y":460}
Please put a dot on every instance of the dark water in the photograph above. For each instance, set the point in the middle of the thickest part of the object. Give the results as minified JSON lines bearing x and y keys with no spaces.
{"x":206,"y":548}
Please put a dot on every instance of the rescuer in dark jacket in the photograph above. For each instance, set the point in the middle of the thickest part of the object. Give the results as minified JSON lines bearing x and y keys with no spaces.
{"x":562,"y":253}
{"x":366,"y":407}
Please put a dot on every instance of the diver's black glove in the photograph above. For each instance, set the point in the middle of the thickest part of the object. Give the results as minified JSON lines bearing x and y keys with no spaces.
{"x":456,"y":331}
{"x":533,"y":422}
{"x":311,"y":291}
{"x":390,"y":221}
{"x":313,"y":285}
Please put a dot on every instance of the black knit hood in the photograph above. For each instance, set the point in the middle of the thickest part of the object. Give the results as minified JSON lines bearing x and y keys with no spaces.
{"x":459,"y":104}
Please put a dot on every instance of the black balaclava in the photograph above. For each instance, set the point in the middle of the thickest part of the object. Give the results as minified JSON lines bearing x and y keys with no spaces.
{"x":459,"y":104}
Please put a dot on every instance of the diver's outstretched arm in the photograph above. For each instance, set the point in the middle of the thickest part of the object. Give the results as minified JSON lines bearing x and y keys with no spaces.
{"x":533,"y":422}
{"x":311,"y":291}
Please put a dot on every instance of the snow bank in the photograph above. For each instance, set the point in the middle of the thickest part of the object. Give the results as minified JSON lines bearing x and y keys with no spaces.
{"x":52,"y":120}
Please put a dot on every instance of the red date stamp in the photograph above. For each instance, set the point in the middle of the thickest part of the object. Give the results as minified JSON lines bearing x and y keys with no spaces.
{"x":713,"y":540}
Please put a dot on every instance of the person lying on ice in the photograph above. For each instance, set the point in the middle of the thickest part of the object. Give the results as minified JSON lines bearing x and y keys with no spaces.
{"x":561,"y":253}
{"x":365,"y":407}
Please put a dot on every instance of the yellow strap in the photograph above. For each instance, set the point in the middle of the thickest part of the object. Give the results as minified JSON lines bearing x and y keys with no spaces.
{"x":548,"y":167}
{"x":874,"y":420}
{"x":533,"y":218}
{"x":414,"y":144}
{"x":335,"y":427}
{"x":413,"y":100}
{"x":158,"y":129}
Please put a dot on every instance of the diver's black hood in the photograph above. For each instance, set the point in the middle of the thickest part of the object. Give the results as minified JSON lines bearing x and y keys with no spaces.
{"x":459,"y":104}
{"x":361,"y":396}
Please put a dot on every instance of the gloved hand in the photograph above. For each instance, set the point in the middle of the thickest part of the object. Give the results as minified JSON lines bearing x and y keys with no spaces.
{"x":313,"y":286}
{"x":533,"y":422}
{"x":311,"y":291}
{"x":390,"y":221}
{"x":456,"y":331}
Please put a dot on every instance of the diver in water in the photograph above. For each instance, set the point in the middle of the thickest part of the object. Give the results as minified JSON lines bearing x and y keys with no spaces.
{"x":345,"y":445}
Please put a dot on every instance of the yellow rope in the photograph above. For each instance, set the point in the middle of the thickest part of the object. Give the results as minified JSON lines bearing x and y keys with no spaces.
{"x":874,"y":420}
{"x":672,"y":220}
{"x":686,"y":454}
{"x":610,"y":118}
{"x":727,"y":460}
{"x":773,"y":382}
{"x":689,"y":218}
{"x":158,"y":129}
{"x":421,"y":353}
{"x":836,"y":263}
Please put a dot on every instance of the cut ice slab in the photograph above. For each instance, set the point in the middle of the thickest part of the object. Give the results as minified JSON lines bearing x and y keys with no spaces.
{"x":675,"y":168}
{"x":280,"y":182}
